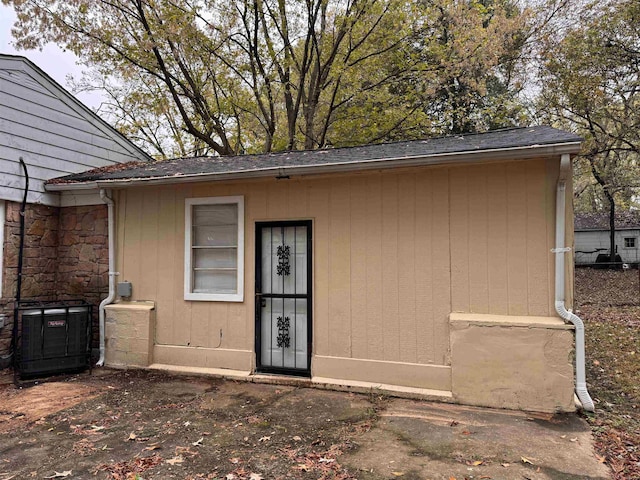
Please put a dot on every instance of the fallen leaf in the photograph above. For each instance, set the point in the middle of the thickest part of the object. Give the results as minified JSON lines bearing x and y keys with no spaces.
{"x":452,"y":478}
{"x":486,"y":476}
{"x":477,"y":462}
{"x":601,"y":459}
{"x":505,"y":465}
{"x":574,"y":439}
{"x":526,"y":460}
{"x":151,"y":447}
{"x":397,"y":474}
{"x":132,"y":436}
{"x":466,"y":432}
{"x":230,"y":476}
{"x":256,"y":476}
{"x":197,"y":443}
{"x":175,"y":460}
{"x":297,"y":439}
{"x":96,"y":428}
{"x":264,"y":439}
{"x":187,"y":423}
{"x":66,"y":473}
{"x":303,"y":467}
{"x":234,"y":460}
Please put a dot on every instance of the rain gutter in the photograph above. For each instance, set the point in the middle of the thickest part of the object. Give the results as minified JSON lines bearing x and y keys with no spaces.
{"x":335,"y":167}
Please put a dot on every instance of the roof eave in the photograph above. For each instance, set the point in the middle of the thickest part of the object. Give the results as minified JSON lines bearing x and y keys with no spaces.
{"x":618,"y":229}
{"x":376,"y":164}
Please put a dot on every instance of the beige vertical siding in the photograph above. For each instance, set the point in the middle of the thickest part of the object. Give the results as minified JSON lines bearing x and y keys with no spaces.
{"x":502,"y":228}
{"x":395,"y":252}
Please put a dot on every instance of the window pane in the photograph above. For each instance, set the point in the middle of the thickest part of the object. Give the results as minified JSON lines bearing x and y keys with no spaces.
{"x":224,"y":236}
{"x":215,"y":215}
{"x":215,"y":258}
{"x":215,"y":281}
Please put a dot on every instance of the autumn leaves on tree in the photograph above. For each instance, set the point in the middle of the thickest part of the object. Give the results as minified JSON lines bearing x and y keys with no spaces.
{"x":205,"y":76}
{"x":198,"y":77}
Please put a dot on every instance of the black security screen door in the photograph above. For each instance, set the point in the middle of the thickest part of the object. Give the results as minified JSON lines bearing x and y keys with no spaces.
{"x":283,"y":297}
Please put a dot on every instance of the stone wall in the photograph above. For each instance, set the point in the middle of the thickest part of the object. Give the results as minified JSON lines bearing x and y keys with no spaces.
{"x":83,"y":256}
{"x":65,"y":257}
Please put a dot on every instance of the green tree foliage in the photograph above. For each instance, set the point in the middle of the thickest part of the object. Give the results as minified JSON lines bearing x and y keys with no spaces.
{"x":207,"y":76}
{"x":591,"y":84}
{"x":477,"y":49}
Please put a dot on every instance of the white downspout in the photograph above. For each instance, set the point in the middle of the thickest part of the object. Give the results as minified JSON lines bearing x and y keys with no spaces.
{"x":560,"y":250}
{"x":112,"y":273}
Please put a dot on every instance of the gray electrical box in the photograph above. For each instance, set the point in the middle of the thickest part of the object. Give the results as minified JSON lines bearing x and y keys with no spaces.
{"x":124,"y":289}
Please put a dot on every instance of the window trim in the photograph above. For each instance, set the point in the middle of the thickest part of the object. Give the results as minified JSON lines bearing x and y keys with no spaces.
{"x":635,"y":243}
{"x":188,"y":255}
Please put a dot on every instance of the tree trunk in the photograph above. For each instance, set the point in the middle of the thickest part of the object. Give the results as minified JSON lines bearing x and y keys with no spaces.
{"x":612,"y":227}
{"x":612,"y":209}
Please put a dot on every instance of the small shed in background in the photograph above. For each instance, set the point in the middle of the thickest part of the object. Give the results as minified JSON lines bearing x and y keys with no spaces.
{"x":592,"y":236}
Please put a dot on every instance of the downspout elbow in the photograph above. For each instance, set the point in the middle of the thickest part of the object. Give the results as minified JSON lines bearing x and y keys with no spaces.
{"x":581,"y":384}
{"x":112,"y":273}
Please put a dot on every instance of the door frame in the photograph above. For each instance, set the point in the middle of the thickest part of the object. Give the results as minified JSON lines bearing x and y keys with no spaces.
{"x":258,"y":296}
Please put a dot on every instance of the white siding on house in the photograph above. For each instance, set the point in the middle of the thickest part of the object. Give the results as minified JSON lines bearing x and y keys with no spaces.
{"x":588,"y":244}
{"x":54,"y":133}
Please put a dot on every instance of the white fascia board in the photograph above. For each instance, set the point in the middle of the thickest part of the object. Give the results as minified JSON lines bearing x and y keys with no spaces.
{"x":515,"y":153}
{"x":66,"y":187}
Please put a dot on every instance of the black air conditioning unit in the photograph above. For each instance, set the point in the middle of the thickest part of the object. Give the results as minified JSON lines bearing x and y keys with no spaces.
{"x":55,"y":337}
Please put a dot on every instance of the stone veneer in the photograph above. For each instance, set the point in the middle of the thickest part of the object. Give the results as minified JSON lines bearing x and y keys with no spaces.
{"x":65,"y":257}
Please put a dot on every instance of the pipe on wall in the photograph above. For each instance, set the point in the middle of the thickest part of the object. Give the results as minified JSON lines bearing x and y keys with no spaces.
{"x":18,"y":297}
{"x":561,"y":309}
{"x":112,"y":273}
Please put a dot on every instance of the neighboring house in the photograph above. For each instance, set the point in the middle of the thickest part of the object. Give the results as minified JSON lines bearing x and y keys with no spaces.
{"x":423,"y":267}
{"x":592,"y":237}
{"x":65,"y":243}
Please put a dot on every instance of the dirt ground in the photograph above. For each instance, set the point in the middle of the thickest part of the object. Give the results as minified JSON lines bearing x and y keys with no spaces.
{"x":149,"y":425}
{"x":609,"y":303}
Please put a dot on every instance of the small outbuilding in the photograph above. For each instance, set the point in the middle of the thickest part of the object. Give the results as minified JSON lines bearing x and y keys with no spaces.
{"x":593,"y":237}
{"x":433,"y":267}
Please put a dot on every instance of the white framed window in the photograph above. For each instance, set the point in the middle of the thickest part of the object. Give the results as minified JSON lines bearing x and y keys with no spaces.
{"x":214,"y":249}
{"x":630,"y":242}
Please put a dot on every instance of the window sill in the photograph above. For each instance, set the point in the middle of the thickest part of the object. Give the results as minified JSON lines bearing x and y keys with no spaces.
{"x":214,"y":297}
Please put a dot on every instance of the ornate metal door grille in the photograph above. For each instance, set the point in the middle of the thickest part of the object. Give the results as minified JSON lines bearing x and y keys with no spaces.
{"x":283,"y":297}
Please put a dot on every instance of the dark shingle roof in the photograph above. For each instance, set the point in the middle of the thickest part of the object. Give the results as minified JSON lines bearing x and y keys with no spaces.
{"x":470,"y":143}
{"x":626,"y":219}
